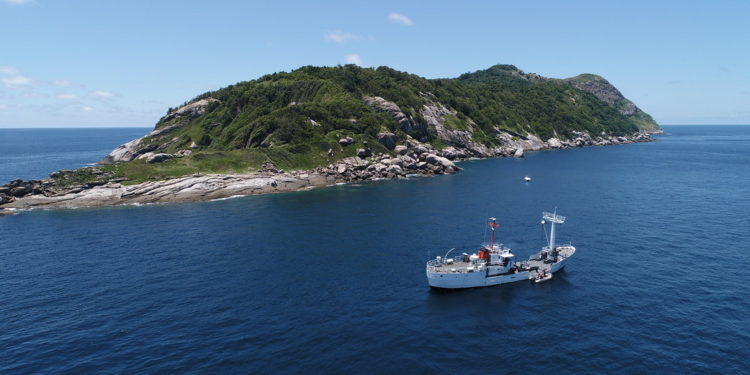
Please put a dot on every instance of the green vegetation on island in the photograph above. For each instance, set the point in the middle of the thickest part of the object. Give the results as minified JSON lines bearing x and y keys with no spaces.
{"x":317,"y":105}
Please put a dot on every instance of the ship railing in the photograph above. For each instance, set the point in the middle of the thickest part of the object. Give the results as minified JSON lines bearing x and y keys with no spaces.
{"x":442,"y":262}
{"x":447,"y":268}
{"x":547,"y":248}
{"x":434,"y":263}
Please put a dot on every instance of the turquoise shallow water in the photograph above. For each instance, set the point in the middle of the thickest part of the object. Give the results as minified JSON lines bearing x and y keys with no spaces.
{"x":332,"y":280}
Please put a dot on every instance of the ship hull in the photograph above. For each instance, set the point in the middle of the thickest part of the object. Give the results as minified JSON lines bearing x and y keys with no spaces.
{"x":462,"y":280}
{"x":472,"y":280}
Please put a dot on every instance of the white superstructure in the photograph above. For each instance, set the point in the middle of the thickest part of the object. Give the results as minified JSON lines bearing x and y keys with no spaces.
{"x":494,"y":265}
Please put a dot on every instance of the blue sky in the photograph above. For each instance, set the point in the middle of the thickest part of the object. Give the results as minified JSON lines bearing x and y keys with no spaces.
{"x":93,"y":63}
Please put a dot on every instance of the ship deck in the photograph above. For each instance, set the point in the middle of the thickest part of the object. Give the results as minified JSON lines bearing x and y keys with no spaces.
{"x":448,"y":268}
{"x":462,"y":266}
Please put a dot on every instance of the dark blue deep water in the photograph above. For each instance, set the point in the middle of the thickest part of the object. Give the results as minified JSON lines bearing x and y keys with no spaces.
{"x":332,"y":280}
{"x":34,"y":153}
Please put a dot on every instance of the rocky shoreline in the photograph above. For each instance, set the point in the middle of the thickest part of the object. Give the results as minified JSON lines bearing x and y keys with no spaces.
{"x":409,"y":159}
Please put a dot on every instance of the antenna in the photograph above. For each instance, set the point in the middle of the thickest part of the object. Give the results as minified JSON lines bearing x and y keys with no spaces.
{"x":493,"y":224}
{"x":554,"y":218}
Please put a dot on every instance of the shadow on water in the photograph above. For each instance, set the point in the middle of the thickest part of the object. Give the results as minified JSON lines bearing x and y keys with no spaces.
{"x":446,"y":299}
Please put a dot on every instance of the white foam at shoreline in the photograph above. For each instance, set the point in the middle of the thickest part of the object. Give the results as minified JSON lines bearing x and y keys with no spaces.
{"x":227,"y":198}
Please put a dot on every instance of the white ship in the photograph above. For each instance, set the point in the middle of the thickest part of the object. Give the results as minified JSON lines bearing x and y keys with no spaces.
{"x":495,"y":264}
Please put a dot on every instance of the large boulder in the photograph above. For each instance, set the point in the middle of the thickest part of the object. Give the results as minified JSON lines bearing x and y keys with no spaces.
{"x":364,"y":152}
{"x":440,"y":161}
{"x":388,"y":140}
{"x":341,"y":169}
{"x":22,"y":190}
{"x":449,"y":153}
{"x":421,"y":149}
{"x":346,"y":141}
{"x":183,"y":153}
{"x":554,"y":143}
{"x":395,"y":169}
{"x":158,"y":158}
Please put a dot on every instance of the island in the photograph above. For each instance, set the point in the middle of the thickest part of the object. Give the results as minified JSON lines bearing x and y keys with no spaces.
{"x":317,"y":126}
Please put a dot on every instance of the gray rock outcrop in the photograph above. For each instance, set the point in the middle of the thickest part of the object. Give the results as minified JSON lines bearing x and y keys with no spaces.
{"x":379,"y":104}
{"x":194,"y":109}
{"x":346,"y":141}
{"x":159,"y":158}
{"x":137,"y":147}
{"x":554,"y":143}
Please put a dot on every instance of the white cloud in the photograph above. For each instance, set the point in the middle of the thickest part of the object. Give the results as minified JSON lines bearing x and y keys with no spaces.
{"x":342,"y":37}
{"x":354,"y":59}
{"x":19,"y":2}
{"x":103,"y":94}
{"x":400,"y":18}
{"x":9,"y":70}
{"x":87,"y":108}
{"x":62,"y":83}
{"x":16,"y":81}
{"x":67,"y":96}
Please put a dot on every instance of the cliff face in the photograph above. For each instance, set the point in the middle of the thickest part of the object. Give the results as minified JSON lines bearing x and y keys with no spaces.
{"x":609,"y":94}
{"x":599,"y":87}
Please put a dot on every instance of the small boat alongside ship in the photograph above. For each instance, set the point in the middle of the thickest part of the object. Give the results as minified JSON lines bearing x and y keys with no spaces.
{"x":495,"y":264}
{"x":544,"y":276}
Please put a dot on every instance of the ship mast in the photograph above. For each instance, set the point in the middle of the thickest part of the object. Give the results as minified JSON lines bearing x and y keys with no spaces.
{"x":493,"y":224}
{"x":554,"y":218}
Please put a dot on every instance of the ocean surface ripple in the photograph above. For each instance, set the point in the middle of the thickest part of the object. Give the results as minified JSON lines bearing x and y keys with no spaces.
{"x":333,"y":280}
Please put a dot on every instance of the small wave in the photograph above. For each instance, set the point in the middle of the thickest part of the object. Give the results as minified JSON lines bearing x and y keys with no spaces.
{"x":227,"y":198}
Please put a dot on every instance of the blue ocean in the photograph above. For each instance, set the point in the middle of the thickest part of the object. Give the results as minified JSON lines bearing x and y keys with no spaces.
{"x":332,"y":280}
